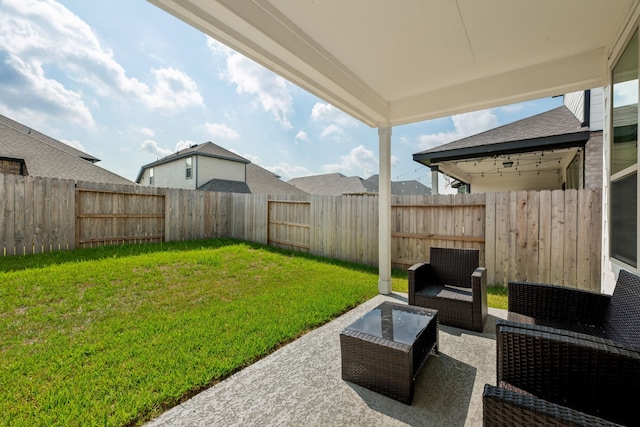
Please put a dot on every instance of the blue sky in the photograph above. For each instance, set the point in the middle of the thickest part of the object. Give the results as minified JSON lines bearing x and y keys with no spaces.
{"x":129,"y":83}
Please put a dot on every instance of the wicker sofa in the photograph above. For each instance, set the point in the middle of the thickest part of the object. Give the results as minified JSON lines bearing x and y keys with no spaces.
{"x":574,"y":348}
{"x":453,"y":283}
{"x":502,"y":407}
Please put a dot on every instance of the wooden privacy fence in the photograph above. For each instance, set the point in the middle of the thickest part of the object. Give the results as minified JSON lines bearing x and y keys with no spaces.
{"x":38,"y":214}
{"x":546,"y":236}
{"x":449,"y":221}
{"x":344,"y":227}
{"x":118,"y":214}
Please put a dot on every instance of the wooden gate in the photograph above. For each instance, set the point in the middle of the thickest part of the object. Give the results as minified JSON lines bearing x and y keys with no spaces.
{"x":106,"y":217}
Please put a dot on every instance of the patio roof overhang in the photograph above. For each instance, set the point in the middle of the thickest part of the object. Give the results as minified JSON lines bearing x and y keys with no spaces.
{"x":553,"y":143}
{"x":389,"y":63}
{"x":532,"y":156}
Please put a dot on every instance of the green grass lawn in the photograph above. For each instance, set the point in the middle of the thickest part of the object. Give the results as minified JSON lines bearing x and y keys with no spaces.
{"x":115,"y":335}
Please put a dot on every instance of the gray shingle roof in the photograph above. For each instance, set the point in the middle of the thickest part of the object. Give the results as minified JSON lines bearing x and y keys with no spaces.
{"x":404,"y":188}
{"x":205,"y":149}
{"x":19,"y":127}
{"x":262,"y":181}
{"x":47,"y":157}
{"x":225,"y":186}
{"x":558,"y":123}
{"x":259,"y":181}
{"x":333,"y":184}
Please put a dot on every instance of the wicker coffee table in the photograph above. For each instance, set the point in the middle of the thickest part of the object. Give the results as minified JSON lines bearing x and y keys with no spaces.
{"x":385,"y":349}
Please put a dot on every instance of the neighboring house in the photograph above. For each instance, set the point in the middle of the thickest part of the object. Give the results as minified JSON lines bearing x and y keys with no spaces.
{"x":404,"y":188}
{"x":558,"y":149}
{"x":25,"y":151}
{"x":338,"y":184}
{"x":262,"y":181}
{"x":333,"y":184}
{"x":209,"y":167}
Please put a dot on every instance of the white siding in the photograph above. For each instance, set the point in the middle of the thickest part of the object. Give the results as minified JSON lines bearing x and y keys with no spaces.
{"x":208,"y":168}
{"x":597,"y":109}
{"x":173,"y":175}
{"x":575,"y":103}
{"x":144,"y":180}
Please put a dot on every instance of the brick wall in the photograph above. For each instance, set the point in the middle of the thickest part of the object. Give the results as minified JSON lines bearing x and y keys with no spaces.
{"x":12,"y":166}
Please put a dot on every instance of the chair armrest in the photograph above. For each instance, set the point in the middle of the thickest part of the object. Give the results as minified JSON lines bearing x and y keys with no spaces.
{"x":479,"y":290}
{"x":588,"y":374}
{"x":539,"y":300}
{"x":502,"y":407}
{"x":418,"y":278}
{"x":479,"y":281}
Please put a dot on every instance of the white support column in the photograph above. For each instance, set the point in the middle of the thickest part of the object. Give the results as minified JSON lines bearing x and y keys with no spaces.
{"x":434,"y":181}
{"x":384,"y":212}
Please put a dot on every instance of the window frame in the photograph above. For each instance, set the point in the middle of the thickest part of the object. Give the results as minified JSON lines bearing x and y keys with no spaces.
{"x":629,"y":170}
{"x":188,"y":168}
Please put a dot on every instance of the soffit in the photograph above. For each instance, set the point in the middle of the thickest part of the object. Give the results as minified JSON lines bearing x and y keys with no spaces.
{"x":390,"y":63}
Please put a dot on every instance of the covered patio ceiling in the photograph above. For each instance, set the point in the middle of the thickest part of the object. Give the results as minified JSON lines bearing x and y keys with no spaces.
{"x":522,"y":166}
{"x":389,"y":63}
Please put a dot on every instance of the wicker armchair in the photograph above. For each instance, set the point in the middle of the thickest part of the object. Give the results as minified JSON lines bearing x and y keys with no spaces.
{"x":502,"y":407}
{"x":574,"y":348}
{"x":453,"y":284}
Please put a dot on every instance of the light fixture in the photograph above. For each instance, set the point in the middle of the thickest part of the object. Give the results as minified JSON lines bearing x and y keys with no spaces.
{"x":507,"y":164}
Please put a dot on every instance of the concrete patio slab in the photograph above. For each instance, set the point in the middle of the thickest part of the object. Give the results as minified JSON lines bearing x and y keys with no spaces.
{"x":301,"y":385}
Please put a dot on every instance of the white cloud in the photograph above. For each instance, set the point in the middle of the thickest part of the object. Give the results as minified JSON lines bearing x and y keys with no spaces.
{"x":147,"y":132}
{"x":336,"y":120}
{"x":173,"y":91}
{"x":181,"y":145}
{"x":253,"y":159}
{"x":221,"y":130}
{"x":328,"y":113}
{"x":267,"y":89}
{"x":513,"y":108}
{"x":302,"y":137}
{"x":466,"y":124}
{"x":360,"y":159}
{"x":75,"y":144}
{"x":333,"y":131}
{"x":287,"y":171}
{"x":153,"y":148}
{"x":52,"y":62}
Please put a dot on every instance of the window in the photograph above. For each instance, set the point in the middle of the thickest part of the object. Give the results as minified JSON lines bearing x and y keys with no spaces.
{"x":188,"y":165}
{"x":150,"y":176}
{"x":624,"y":157}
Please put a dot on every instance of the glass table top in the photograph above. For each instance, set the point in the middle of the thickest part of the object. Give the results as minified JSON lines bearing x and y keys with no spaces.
{"x":394,"y":322}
